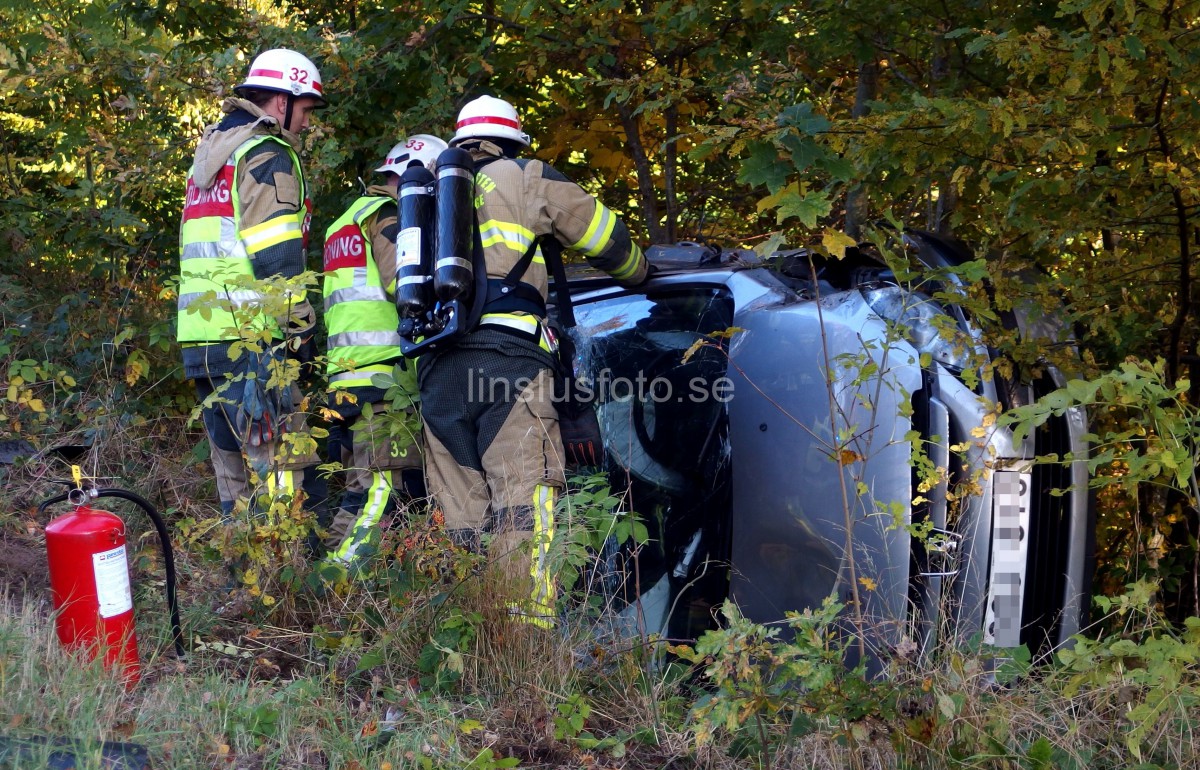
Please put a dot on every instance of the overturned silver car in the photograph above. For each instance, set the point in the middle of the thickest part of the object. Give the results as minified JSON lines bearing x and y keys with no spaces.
{"x":805,"y":427}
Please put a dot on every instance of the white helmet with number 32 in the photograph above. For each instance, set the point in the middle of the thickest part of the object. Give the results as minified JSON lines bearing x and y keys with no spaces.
{"x":285,"y":71}
{"x":422,"y":148}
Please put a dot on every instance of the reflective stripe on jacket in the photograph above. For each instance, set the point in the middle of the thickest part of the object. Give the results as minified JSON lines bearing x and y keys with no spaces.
{"x":519,"y":200}
{"x":359,"y":314}
{"x":216,"y":253}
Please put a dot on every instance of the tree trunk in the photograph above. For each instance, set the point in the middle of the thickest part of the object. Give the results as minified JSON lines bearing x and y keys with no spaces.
{"x":645,"y":177}
{"x":942,"y":84}
{"x":670,"y":164}
{"x":866,"y":91}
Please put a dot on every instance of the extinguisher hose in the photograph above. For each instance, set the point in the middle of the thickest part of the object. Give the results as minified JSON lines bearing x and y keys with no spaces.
{"x":163,"y":537}
{"x":168,"y":557}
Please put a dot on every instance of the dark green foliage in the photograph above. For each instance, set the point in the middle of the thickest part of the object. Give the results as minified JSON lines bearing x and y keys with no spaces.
{"x":1059,"y":140}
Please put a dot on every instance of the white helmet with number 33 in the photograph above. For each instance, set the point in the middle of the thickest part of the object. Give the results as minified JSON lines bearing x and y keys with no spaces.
{"x":422,"y":148}
{"x":285,"y":71}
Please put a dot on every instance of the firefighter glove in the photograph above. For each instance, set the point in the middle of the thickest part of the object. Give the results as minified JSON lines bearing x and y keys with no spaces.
{"x":580,"y":431}
{"x":259,"y":417}
{"x":260,"y":407}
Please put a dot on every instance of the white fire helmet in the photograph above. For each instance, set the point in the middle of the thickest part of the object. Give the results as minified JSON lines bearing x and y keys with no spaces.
{"x":286,"y":71}
{"x":418,"y":147}
{"x":489,"y":117}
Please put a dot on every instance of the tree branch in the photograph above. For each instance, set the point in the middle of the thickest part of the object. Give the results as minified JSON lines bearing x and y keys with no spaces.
{"x":645,"y":178}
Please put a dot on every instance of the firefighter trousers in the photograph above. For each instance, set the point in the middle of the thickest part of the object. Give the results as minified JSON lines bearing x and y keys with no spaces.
{"x":236,"y":462}
{"x":494,"y":457}
{"x":382,"y":464}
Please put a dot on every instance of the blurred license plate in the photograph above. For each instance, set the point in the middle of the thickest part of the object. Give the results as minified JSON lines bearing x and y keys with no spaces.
{"x":1010,"y":540}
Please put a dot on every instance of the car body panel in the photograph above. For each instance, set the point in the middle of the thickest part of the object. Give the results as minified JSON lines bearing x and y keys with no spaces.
{"x":794,"y":477}
{"x":801,"y":484}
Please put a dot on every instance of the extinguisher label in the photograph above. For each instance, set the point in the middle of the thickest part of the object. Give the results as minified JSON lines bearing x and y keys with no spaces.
{"x":112,"y":582}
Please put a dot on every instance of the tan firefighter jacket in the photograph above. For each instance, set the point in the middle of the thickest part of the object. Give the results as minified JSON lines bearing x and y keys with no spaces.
{"x":519,"y":200}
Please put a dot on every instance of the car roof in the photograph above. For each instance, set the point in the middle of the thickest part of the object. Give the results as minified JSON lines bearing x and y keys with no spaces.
{"x":698,"y":259}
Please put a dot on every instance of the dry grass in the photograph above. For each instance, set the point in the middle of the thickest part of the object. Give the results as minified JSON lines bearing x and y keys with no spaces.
{"x":274,"y":698}
{"x":427,"y":653}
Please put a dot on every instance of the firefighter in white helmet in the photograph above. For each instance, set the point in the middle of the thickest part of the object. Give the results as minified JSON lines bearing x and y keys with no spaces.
{"x":494,"y":458}
{"x":381,"y":456}
{"x":246,"y":216}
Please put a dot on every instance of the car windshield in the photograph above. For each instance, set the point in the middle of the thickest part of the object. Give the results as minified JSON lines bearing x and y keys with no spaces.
{"x":658,"y":371}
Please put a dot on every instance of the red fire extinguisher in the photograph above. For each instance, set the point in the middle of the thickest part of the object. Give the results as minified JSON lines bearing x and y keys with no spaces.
{"x":89,"y":578}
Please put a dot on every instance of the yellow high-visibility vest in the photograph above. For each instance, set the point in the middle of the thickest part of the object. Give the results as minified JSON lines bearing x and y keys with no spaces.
{"x":215,"y":252}
{"x":359,"y":315}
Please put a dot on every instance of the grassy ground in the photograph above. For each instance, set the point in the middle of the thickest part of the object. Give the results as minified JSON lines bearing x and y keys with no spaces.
{"x":419,"y":666}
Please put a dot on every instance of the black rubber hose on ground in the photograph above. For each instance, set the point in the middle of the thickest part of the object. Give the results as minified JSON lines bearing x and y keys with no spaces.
{"x":66,"y":753}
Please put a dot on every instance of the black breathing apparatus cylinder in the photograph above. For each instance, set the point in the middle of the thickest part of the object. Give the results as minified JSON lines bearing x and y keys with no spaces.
{"x":453,"y":274}
{"x":414,"y":242}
